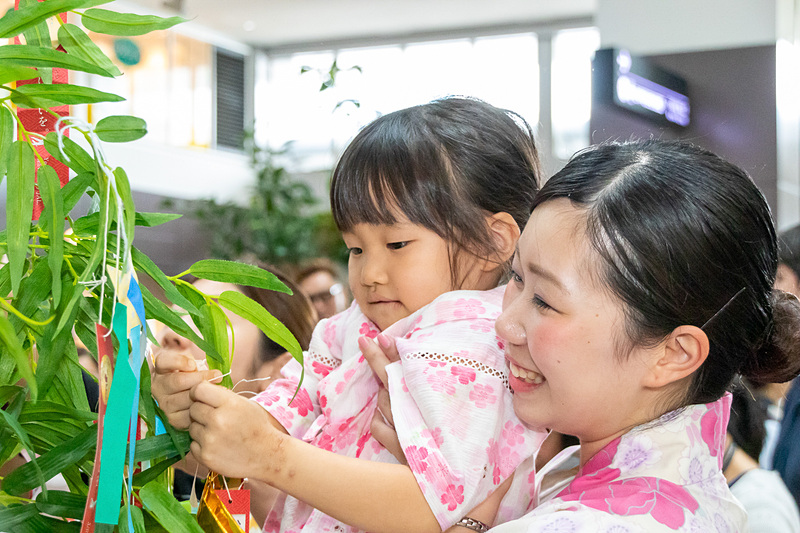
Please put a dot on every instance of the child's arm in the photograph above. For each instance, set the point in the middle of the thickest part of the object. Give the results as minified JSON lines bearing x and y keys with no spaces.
{"x":238,"y":438}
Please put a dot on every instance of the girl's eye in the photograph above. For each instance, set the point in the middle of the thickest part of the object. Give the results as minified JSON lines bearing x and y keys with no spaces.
{"x":541,"y":304}
{"x":397,"y":245}
{"x":354,"y":251}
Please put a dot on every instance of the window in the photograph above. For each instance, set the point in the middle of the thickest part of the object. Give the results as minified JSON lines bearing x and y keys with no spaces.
{"x":376,"y":80}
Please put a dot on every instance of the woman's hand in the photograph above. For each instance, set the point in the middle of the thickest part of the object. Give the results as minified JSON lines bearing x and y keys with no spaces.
{"x":175,"y":374}
{"x":232,"y":435}
{"x":379,"y":355}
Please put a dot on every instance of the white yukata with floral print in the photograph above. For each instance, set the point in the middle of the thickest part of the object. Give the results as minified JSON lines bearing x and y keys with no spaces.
{"x":450,"y":400}
{"x":665,"y":476}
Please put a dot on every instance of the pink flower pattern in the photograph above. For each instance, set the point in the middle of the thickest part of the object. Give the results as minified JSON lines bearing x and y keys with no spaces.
{"x":452,"y":418}
{"x":668,"y":497}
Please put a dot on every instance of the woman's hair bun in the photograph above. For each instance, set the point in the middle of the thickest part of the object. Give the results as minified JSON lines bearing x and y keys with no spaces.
{"x":778,"y":359}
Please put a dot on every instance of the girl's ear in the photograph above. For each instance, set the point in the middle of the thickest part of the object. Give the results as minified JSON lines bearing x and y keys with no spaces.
{"x":505,"y":232}
{"x":683,"y":352}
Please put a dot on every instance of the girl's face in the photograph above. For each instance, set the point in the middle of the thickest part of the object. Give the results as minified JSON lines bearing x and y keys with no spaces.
{"x":562,"y":331}
{"x":397,"y":269}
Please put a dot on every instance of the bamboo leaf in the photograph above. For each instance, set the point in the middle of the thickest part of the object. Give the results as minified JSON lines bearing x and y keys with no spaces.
{"x":52,"y":462}
{"x":13,"y":347}
{"x":19,"y":207}
{"x":36,"y":34}
{"x":76,"y":42}
{"x":6,"y":138}
{"x":214,"y":327}
{"x":120,"y":128}
{"x":237,"y":273}
{"x":15,"y":22}
{"x":129,"y":211}
{"x":16,"y":515}
{"x":73,"y":190}
{"x":125,"y":24}
{"x":151,"y":220}
{"x":255,"y":313}
{"x":158,"y":310}
{"x":146,"y":476}
{"x":62,"y":93}
{"x":61,"y":503}
{"x":73,"y":155}
{"x":166,"y":509}
{"x":145,"y":264}
{"x":33,"y":472}
{"x":50,"y":189}
{"x":10,"y":73}
{"x":24,"y":55}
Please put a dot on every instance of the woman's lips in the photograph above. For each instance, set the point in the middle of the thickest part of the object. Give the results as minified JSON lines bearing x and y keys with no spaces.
{"x":521,"y":379}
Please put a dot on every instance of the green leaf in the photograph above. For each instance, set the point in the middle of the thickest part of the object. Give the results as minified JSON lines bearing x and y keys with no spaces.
{"x":151,"y":220}
{"x":166,"y":509}
{"x":214,"y":327}
{"x":237,"y":273}
{"x":162,"y":445}
{"x":7,"y":124}
{"x":73,"y":190}
{"x":120,"y":129}
{"x":61,"y":503}
{"x":19,"y":207}
{"x":50,"y":189}
{"x":73,"y":155}
{"x":36,"y":34}
{"x":144,"y":264}
{"x":24,"y":55}
{"x":10,"y":73}
{"x":33,"y":472}
{"x":146,"y":476}
{"x":158,"y":310}
{"x":136,"y":517}
{"x":125,"y":24}
{"x":52,"y":462}
{"x":16,"y":515}
{"x":76,"y":42}
{"x":13,"y":347}
{"x":15,"y":22}
{"x":255,"y":313}
{"x":129,"y":211}
{"x":62,"y":93}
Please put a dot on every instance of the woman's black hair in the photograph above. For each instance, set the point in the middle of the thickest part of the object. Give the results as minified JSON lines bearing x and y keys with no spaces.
{"x":444,"y":165}
{"x":686,"y":238}
{"x":789,"y":248}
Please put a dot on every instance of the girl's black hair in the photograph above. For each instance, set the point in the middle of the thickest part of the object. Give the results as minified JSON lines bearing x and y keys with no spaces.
{"x":686,"y":238}
{"x":789,"y":248}
{"x":445,"y":165}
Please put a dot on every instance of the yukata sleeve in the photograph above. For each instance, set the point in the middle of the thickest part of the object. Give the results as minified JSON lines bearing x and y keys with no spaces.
{"x":454,"y":415}
{"x":295,"y":404}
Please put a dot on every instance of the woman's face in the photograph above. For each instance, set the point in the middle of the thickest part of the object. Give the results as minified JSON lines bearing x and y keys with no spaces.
{"x":562,"y":331}
{"x":247,"y":337}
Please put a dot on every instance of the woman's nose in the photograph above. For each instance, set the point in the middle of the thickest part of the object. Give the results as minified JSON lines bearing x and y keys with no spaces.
{"x":509,"y":328}
{"x":174,"y":341}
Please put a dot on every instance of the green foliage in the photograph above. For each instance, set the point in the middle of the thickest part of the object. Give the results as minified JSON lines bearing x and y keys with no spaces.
{"x":53,"y":285}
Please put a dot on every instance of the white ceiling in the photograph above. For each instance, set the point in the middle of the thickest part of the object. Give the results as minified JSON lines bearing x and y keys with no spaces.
{"x":274,"y":23}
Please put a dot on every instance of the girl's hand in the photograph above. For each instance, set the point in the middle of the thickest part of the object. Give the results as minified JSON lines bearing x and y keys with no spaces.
{"x":232,"y":435}
{"x":175,"y":374}
{"x":379,"y":355}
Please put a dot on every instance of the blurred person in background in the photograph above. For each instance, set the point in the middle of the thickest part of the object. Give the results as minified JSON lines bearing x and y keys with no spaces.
{"x":321,"y":279}
{"x":786,"y":458}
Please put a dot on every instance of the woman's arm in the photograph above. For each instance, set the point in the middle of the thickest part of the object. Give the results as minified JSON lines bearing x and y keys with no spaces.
{"x":237,"y":438}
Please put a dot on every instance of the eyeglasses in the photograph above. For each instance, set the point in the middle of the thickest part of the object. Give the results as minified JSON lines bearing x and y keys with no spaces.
{"x":326,"y":296}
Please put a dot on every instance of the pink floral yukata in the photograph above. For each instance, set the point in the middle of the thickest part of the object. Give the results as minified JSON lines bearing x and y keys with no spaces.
{"x":450,"y":400}
{"x":663,"y":476}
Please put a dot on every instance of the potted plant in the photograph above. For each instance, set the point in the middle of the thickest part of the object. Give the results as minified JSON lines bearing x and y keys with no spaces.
{"x":71,"y":275}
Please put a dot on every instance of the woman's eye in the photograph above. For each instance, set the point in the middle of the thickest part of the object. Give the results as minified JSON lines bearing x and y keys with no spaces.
{"x":397,"y":245}
{"x":541,"y":304}
{"x":516,"y":278}
{"x":354,"y":251}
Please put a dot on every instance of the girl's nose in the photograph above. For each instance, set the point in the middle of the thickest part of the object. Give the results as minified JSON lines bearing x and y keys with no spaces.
{"x":373,"y":271}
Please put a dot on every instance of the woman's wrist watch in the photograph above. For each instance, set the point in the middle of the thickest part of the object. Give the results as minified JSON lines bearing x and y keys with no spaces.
{"x":474,"y":525}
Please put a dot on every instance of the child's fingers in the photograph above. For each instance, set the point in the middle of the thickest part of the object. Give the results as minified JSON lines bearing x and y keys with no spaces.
{"x":385,"y":407}
{"x":169,"y":361}
{"x":375,"y":357}
{"x":210,"y":394}
{"x":389,"y":347}
{"x":387,"y":436}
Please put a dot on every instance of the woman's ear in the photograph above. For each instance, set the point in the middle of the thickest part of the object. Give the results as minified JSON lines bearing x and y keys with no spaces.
{"x":505,"y":232}
{"x":271,"y":369}
{"x":683,"y":352}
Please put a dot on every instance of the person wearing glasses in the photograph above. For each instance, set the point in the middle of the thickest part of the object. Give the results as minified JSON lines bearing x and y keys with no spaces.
{"x":320,"y":280}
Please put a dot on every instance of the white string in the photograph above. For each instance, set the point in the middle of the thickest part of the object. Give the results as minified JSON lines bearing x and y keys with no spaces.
{"x":193,"y":496}
{"x":225,"y":482}
{"x":249,"y":381}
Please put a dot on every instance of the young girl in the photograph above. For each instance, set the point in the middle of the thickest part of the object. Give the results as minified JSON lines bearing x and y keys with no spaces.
{"x":430,"y":200}
{"x":641,"y":287}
